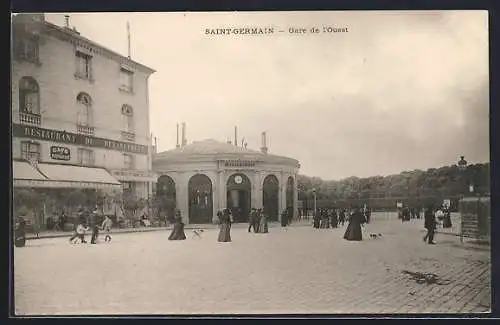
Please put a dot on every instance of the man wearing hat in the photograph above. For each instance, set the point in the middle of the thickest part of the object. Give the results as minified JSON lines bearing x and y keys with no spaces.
{"x":252,"y":220}
{"x":94,"y":225}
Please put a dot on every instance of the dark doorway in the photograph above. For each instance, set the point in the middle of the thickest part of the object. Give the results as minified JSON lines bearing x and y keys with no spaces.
{"x":289,"y":196}
{"x":270,"y":192}
{"x":166,"y":197}
{"x":239,"y":196}
{"x":200,"y":199}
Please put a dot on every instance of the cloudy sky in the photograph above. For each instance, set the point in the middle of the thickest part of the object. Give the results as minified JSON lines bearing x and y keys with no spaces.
{"x":398,"y":91}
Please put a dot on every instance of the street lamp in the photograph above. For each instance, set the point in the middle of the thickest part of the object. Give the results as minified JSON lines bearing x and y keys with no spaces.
{"x":314,"y":194}
{"x":462,"y":167}
{"x":407,"y":178}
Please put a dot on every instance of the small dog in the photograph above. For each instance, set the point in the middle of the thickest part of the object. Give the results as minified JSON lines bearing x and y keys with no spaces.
{"x":197,"y":233}
{"x":375,"y":236}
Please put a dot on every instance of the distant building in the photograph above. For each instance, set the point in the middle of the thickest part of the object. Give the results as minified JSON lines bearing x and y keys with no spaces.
{"x":80,"y":112}
{"x":207,"y":176}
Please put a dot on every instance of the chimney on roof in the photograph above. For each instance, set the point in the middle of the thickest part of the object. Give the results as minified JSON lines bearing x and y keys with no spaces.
{"x":235,"y":135}
{"x":177,"y":142}
{"x":263,"y":148}
{"x":184,"y":141}
{"x":66,"y":21}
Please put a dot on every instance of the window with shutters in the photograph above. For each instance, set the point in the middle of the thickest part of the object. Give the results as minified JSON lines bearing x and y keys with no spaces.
{"x":126,"y":80}
{"x":29,"y":96}
{"x":128,"y":123}
{"x":26,"y":47}
{"x":84,"y":102}
{"x":85,"y":157}
{"x":83,"y":66}
{"x":30,"y":150}
{"x":128,"y":161}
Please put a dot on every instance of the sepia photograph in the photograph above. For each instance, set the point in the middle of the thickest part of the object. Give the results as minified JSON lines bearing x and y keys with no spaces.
{"x":250,"y":163}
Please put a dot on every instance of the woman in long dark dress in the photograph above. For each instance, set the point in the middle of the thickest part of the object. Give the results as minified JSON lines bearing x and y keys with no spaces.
{"x":334,"y":219}
{"x":327,"y":218}
{"x":284,"y":218}
{"x":447,"y":219}
{"x":316,"y":219}
{"x":225,"y":227}
{"x":341,"y":214}
{"x":353,"y":231}
{"x":20,"y":232}
{"x":178,"y":231}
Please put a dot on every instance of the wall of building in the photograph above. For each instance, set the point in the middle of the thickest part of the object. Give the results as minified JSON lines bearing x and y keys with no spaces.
{"x":59,"y":88}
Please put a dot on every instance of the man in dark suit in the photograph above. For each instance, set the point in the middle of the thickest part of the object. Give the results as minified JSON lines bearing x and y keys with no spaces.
{"x":251,"y":219}
{"x":430,"y":224}
{"x":95,"y":221}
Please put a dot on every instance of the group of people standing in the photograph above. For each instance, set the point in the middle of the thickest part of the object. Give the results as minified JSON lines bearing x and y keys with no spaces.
{"x":406,"y":213}
{"x":356,"y":217}
{"x":258,"y":221}
{"x":326,"y":218}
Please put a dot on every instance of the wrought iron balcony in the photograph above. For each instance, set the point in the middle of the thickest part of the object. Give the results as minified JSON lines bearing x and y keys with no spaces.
{"x":128,"y":136}
{"x":85,"y":129}
{"x":29,"y":118}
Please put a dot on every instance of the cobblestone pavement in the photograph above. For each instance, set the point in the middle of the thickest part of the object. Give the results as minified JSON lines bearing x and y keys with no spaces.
{"x":301,"y":270}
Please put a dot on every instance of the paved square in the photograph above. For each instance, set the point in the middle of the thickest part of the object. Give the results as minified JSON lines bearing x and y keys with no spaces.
{"x":301,"y":270}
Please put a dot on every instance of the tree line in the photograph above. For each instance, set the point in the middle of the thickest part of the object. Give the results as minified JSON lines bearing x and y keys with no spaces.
{"x":416,"y":187}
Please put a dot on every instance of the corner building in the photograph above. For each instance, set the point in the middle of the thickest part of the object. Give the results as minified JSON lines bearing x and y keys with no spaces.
{"x":80,"y":112}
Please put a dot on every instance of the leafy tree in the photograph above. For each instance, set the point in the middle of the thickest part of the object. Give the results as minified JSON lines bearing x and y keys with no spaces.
{"x":416,"y":187}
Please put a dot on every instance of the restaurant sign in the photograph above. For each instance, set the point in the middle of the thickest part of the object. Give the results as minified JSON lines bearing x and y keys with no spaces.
{"x":31,"y":132}
{"x":60,"y":153}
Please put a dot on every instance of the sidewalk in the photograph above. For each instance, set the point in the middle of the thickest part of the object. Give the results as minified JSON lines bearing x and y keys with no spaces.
{"x":56,"y":234}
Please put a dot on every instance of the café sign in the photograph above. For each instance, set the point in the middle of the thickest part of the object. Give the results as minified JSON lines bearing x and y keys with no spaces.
{"x":60,"y":153}
{"x":31,"y":132}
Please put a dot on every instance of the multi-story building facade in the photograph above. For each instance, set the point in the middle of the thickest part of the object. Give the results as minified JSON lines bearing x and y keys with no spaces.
{"x":80,"y":112}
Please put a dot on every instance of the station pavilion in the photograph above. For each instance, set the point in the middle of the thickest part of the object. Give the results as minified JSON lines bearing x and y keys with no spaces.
{"x":207,"y":176}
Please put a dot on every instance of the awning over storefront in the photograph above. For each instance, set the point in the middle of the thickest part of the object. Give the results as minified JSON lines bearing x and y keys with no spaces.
{"x":23,"y":170}
{"x":67,"y":176}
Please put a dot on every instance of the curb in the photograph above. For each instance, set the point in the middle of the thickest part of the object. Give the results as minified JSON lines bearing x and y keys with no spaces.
{"x":137,"y":230}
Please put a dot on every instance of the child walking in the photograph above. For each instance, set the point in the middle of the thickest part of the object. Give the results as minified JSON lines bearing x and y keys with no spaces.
{"x":106,"y":226}
{"x":79,"y":233}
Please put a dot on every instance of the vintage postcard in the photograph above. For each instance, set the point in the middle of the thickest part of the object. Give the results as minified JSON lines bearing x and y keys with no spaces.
{"x":250,"y":163}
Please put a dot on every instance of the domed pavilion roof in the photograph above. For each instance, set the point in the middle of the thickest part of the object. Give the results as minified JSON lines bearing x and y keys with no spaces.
{"x":215,"y":150}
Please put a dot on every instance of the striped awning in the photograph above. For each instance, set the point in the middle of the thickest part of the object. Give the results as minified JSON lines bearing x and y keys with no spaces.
{"x":68,"y":176}
{"x":23,"y":170}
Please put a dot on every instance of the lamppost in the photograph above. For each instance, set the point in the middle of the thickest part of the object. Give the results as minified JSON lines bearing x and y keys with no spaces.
{"x":314,"y":195}
{"x":462,"y":167}
{"x":407,"y":178}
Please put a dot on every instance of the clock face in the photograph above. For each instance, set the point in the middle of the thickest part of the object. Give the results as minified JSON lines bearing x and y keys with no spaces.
{"x":238,"y":179}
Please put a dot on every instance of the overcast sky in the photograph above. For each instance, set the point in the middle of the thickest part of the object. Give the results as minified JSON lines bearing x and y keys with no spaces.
{"x":398,"y":91}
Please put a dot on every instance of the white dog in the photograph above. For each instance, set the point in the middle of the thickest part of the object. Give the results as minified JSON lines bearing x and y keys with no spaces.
{"x":197,"y":233}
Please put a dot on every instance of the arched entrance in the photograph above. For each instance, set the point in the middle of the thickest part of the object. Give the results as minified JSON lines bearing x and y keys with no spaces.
{"x":289,"y":196}
{"x":166,"y":197}
{"x":239,"y":196}
{"x":200,"y":199}
{"x":270,"y":192}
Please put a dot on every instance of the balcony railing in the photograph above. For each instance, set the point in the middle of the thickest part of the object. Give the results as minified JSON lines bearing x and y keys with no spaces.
{"x":29,"y":118}
{"x":128,"y":136}
{"x":85,"y":129}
